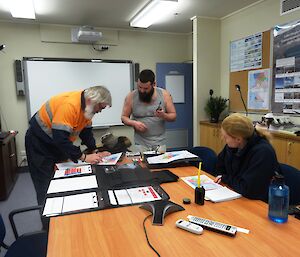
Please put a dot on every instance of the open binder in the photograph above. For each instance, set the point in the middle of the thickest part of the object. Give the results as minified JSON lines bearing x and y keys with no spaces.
{"x":123,"y":187}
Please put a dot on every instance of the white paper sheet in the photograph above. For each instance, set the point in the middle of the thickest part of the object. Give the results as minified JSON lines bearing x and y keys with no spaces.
{"x":221,"y":194}
{"x":110,"y":160}
{"x":80,"y":202}
{"x":58,"y":205}
{"x":171,"y":156}
{"x":206,"y":182}
{"x":73,"y":171}
{"x":67,"y":165}
{"x":122,"y":197}
{"x":143,"y":194}
{"x":53,"y":206}
{"x":112,"y":198}
{"x":71,"y":184}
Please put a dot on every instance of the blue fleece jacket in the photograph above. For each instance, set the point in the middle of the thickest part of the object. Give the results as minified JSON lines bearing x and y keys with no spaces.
{"x":249,"y":171}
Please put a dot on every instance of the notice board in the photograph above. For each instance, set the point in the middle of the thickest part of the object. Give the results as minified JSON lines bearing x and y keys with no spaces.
{"x":241,"y":77}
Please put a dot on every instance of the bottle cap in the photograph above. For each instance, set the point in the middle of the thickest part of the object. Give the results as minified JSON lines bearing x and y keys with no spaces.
{"x":278,"y":178}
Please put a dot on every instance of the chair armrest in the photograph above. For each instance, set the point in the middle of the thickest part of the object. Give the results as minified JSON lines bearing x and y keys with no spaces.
{"x":18,"y":211}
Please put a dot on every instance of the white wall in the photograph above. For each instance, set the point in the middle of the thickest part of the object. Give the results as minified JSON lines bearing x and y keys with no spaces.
{"x":25,"y":40}
{"x":206,"y":73}
{"x":257,"y":18}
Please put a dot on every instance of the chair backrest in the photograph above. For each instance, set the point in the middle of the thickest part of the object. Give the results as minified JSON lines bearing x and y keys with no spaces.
{"x":32,"y":244}
{"x":208,"y":156}
{"x":292,"y":180}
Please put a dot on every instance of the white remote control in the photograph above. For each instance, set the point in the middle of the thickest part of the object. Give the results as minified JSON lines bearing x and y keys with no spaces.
{"x":186,"y":225}
{"x":213,"y":225}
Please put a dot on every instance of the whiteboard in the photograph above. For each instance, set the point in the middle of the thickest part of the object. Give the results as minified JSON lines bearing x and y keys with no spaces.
{"x":48,"y":77}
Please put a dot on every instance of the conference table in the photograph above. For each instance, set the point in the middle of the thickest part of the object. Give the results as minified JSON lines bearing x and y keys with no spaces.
{"x":119,"y":231}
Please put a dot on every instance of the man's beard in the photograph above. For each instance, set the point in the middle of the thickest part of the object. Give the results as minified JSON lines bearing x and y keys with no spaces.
{"x":89,"y":111}
{"x":146,"y":97}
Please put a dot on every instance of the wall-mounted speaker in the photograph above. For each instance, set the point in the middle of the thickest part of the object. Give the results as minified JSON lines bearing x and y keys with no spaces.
{"x":20,"y":84}
{"x":136,"y":71}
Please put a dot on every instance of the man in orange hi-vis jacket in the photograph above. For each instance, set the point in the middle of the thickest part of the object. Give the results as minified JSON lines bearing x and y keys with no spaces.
{"x":54,"y":128}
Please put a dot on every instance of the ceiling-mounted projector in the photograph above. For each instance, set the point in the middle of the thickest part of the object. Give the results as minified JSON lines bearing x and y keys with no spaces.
{"x":86,"y":34}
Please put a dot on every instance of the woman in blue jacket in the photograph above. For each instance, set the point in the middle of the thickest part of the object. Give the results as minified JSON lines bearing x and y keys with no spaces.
{"x":248,"y":161}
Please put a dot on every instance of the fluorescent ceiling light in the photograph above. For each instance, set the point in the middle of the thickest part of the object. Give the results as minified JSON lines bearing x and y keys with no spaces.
{"x":152,"y":12}
{"x":22,"y":9}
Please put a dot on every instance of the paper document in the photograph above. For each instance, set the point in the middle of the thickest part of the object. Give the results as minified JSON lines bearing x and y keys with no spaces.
{"x":122,"y":197}
{"x":67,"y":165}
{"x":71,"y":184}
{"x":60,"y":205}
{"x":73,"y":171}
{"x":206,"y":182}
{"x":133,"y":195}
{"x":143,"y":194}
{"x":213,"y":191}
{"x":171,"y":156}
{"x":221,"y":194}
{"x":110,"y":160}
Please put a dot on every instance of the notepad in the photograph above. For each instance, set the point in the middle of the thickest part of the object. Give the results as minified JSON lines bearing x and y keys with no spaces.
{"x":73,"y":171}
{"x":59,"y":205}
{"x":71,"y":184}
{"x":221,"y":194}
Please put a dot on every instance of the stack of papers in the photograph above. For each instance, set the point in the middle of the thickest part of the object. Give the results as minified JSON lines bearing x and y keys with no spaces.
{"x":58,"y":205}
{"x":133,"y":195}
{"x":171,"y":156}
{"x":213,"y":191}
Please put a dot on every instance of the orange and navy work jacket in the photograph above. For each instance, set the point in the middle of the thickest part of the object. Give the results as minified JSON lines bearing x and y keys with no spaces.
{"x":61,"y":120}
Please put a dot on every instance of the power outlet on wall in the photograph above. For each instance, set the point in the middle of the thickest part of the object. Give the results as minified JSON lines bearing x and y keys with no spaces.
{"x":23,"y":158}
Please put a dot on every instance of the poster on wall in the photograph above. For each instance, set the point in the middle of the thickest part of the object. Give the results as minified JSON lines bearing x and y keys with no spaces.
{"x":246,"y":53}
{"x":286,"y":68}
{"x":259,"y":89}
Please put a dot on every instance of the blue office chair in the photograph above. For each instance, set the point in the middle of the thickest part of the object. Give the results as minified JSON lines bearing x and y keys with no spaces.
{"x":292,"y":180}
{"x":208,"y":156}
{"x":32,"y":244}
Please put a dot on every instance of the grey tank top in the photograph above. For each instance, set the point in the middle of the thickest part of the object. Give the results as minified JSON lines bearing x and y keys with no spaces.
{"x":144,"y":112}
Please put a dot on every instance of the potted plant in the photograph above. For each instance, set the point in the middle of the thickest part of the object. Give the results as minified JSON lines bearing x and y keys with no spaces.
{"x":215,"y":106}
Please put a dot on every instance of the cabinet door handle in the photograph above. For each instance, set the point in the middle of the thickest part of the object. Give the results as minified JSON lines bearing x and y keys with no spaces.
{"x":290,"y":147}
{"x":12,"y":155}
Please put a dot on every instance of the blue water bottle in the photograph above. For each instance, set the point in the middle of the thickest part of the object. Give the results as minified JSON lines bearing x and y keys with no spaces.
{"x":278,"y":200}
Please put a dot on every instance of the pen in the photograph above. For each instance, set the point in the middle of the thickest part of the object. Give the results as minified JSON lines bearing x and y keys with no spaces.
{"x":199,"y":170}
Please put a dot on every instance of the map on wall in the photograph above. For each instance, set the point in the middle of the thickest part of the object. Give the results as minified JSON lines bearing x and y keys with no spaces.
{"x":286,"y":68}
{"x":246,"y":53}
{"x":259,"y":89}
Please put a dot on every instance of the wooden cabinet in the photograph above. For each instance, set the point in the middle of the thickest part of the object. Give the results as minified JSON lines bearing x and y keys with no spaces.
{"x":210,"y":136}
{"x":287,"y":148}
{"x":8,"y":165}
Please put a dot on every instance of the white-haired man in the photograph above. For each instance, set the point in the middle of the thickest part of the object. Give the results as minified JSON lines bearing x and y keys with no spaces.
{"x":54,"y":128}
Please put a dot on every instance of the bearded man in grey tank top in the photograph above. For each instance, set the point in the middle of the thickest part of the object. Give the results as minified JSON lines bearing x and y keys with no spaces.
{"x":146,"y":109}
